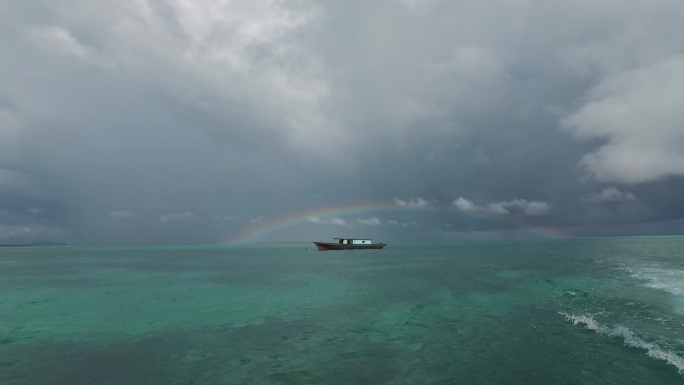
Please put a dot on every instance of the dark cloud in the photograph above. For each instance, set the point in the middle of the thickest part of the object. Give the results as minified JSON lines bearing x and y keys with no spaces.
{"x":158,"y":122}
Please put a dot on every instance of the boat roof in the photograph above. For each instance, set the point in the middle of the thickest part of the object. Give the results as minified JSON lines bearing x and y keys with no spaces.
{"x":358,"y":239}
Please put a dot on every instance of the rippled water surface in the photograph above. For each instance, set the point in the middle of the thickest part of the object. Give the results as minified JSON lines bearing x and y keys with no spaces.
{"x":576,"y":311}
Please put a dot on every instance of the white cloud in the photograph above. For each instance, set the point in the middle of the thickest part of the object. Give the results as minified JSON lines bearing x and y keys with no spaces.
{"x":371,"y":221}
{"x":498,"y":208}
{"x":122,"y":214}
{"x":61,"y":40}
{"x":225,"y":218}
{"x":328,"y":221}
{"x":639,"y":114}
{"x":522,"y":206}
{"x":465,"y":205}
{"x":610,"y":194}
{"x":257,"y":220}
{"x":173,"y":217}
{"x":30,"y":233}
{"x":413,"y":202}
{"x":394,"y":222}
{"x":247,"y":22}
{"x":236,"y":50}
{"x":531,"y":208}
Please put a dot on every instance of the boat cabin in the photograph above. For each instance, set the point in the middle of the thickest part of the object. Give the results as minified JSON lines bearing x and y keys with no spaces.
{"x":349,"y":244}
{"x":350,"y":241}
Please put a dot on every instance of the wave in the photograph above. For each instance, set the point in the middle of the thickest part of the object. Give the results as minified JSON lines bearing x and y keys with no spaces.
{"x":630,"y":339}
{"x":666,"y":279}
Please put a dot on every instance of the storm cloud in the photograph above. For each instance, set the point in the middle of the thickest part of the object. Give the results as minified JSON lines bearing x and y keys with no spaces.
{"x":146,"y":121}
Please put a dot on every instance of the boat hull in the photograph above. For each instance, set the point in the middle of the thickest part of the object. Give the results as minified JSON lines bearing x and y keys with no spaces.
{"x":326,"y":246}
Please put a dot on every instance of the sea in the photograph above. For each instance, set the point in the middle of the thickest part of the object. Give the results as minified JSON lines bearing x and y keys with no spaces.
{"x":555,"y":311}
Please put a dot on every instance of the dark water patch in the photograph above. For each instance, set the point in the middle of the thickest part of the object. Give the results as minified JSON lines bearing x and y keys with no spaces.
{"x":271,"y":352}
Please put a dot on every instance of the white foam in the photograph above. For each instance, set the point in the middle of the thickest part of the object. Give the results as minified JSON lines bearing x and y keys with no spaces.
{"x":667,"y":279}
{"x":630,"y":339}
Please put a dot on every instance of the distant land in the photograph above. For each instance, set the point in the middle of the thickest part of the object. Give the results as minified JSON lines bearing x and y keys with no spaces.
{"x":33,"y":244}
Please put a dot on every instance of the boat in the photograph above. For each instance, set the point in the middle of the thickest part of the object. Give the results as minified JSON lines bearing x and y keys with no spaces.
{"x":349,"y":244}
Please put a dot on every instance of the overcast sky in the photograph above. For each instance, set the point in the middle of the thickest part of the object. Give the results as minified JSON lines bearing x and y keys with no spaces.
{"x":216,"y":121}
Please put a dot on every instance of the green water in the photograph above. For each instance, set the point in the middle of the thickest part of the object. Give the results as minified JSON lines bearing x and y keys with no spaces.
{"x":580,"y":311}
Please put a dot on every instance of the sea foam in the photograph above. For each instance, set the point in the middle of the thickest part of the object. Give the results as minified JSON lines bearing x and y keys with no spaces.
{"x":667,"y":279}
{"x":630,"y":339}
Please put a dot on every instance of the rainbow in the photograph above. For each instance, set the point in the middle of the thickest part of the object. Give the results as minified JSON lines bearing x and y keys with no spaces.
{"x":257,"y":231}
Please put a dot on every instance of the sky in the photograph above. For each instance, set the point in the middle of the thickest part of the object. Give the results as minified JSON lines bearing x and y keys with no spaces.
{"x":228,"y":122}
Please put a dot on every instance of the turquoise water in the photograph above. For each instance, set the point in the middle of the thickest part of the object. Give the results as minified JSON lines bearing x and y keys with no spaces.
{"x":577,"y":311}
